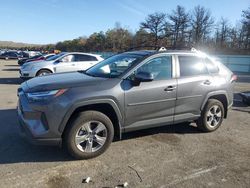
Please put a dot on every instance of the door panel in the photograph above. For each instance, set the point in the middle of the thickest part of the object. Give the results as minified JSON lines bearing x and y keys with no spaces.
{"x":192,"y":88}
{"x":66,"y":67}
{"x":191,"y":93}
{"x":66,"y":64}
{"x":151,"y":103}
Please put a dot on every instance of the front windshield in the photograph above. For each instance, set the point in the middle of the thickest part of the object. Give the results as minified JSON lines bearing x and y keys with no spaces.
{"x":55,"y":57}
{"x":114,"y":66}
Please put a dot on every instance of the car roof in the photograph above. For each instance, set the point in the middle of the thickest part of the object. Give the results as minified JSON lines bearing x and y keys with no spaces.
{"x":142,"y":52}
{"x":153,"y":52}
{"x":96,"y":55}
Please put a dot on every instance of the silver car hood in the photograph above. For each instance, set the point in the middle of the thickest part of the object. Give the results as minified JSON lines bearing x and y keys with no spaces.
{"x":60,"y":81}
{"x":40,"y":63}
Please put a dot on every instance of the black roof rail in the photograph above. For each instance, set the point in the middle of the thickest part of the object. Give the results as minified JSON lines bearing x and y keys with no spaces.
{"x":158,"y":48}
{"x":161,"y":47}
{"x":141,"y":47}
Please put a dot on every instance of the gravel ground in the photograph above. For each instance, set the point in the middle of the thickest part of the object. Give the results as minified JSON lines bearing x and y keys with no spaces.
{"x":170,"y":156}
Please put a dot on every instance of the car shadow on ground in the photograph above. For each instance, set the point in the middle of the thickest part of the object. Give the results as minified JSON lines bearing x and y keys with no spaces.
{"x":181,"y":128}
{"x":11,"y":65}
{"x":10,"y":69}
{"x":12,"y":81}
{"x":15,"y":149}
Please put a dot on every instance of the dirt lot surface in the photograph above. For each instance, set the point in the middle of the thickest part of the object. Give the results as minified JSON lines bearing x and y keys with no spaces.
{"x":171,"y":156}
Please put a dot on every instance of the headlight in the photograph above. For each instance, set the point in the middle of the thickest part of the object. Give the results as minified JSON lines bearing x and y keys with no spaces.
{"x":45,"y":94}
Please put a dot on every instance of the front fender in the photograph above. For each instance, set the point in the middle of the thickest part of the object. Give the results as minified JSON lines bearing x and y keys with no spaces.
{"x":91,"y":102}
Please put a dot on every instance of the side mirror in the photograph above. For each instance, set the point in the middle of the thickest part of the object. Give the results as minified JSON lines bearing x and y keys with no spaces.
{"x":144,"y":77}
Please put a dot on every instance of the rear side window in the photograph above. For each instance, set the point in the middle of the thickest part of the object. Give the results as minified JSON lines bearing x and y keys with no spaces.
{"x":80,"y":57}
{"x":211,"y":67}
{"x":192,"y":66}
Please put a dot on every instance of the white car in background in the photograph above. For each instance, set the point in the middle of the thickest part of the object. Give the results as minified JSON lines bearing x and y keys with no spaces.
{"x":32,"y":53}
{"x":63,"y":62}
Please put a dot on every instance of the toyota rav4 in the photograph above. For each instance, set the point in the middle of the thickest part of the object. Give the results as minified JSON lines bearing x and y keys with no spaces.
{"x":84,"y":111}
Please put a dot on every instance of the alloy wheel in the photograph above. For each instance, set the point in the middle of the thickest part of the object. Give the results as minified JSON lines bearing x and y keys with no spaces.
{"x":214,"y":116}
{"x":91,"y":136}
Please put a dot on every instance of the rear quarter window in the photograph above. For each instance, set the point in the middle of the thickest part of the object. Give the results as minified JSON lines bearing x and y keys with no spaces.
{"x":192,"y":66}
{"x":80,"y":57}
{"x":211,"y":66}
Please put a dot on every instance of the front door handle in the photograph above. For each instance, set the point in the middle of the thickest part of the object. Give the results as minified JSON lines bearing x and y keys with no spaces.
{"x":170,"y":88}
{"x":207,"y":82}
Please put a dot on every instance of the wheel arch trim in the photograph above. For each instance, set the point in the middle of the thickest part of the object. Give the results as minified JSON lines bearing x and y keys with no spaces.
{"x":215,"y":93}
{"x":48,"y":69}
{"x":74,"y":107}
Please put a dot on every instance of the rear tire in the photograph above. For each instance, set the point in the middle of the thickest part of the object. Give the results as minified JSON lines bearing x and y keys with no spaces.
{"x":43,"y":72}
{"x":211,"y":116}
{"x":88,"y":135}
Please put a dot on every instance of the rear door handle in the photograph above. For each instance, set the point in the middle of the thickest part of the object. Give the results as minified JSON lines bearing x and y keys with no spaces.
{"x":207,"y":82}
{"x":170,"y":88}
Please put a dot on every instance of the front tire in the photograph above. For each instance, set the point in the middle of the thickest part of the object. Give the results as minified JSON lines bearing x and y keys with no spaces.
{"x":43,"y":72}
{"x":89,"y":135}
{"x":211,"y":116}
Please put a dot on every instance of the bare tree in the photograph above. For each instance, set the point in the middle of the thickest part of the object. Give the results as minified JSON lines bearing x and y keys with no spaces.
{"x":224,"y":31}
{"x":246,"y":28}
{"x":202,"y":23}
{"x":155,"y":24}
{"x":178,"y":23}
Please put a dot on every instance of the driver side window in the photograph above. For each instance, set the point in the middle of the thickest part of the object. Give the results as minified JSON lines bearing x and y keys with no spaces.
{"x":160,"y":67}
{"x":68,"y":58}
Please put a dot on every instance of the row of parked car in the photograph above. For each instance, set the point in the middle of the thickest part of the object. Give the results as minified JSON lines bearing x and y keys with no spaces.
{"x":56,"y":63}
{"x":84,"y":111}
{"x":17,"y":54}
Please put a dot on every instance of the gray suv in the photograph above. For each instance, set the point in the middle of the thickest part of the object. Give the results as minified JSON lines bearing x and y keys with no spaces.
{"x":84,"y":111}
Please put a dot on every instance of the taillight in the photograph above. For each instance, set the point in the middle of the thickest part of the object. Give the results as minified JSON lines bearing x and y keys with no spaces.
{"x":233,"y":78}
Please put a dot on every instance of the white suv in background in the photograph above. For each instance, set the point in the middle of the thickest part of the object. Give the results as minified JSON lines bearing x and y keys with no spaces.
{"x":63,"y":62}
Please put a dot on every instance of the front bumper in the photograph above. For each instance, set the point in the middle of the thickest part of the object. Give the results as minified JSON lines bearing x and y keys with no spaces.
{"x":33,"y":125}
{"x":25,"y":75}
{"x":26,"y":134}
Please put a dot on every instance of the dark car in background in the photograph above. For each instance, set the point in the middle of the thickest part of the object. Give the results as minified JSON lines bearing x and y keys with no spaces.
{"x":10,"y":55}
{"x":23,"y":54}
{"x":35,"y":58}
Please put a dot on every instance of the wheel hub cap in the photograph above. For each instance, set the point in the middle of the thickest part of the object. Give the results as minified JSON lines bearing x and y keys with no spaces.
{"x":91,"y":136}
{"x":214,"y":116}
